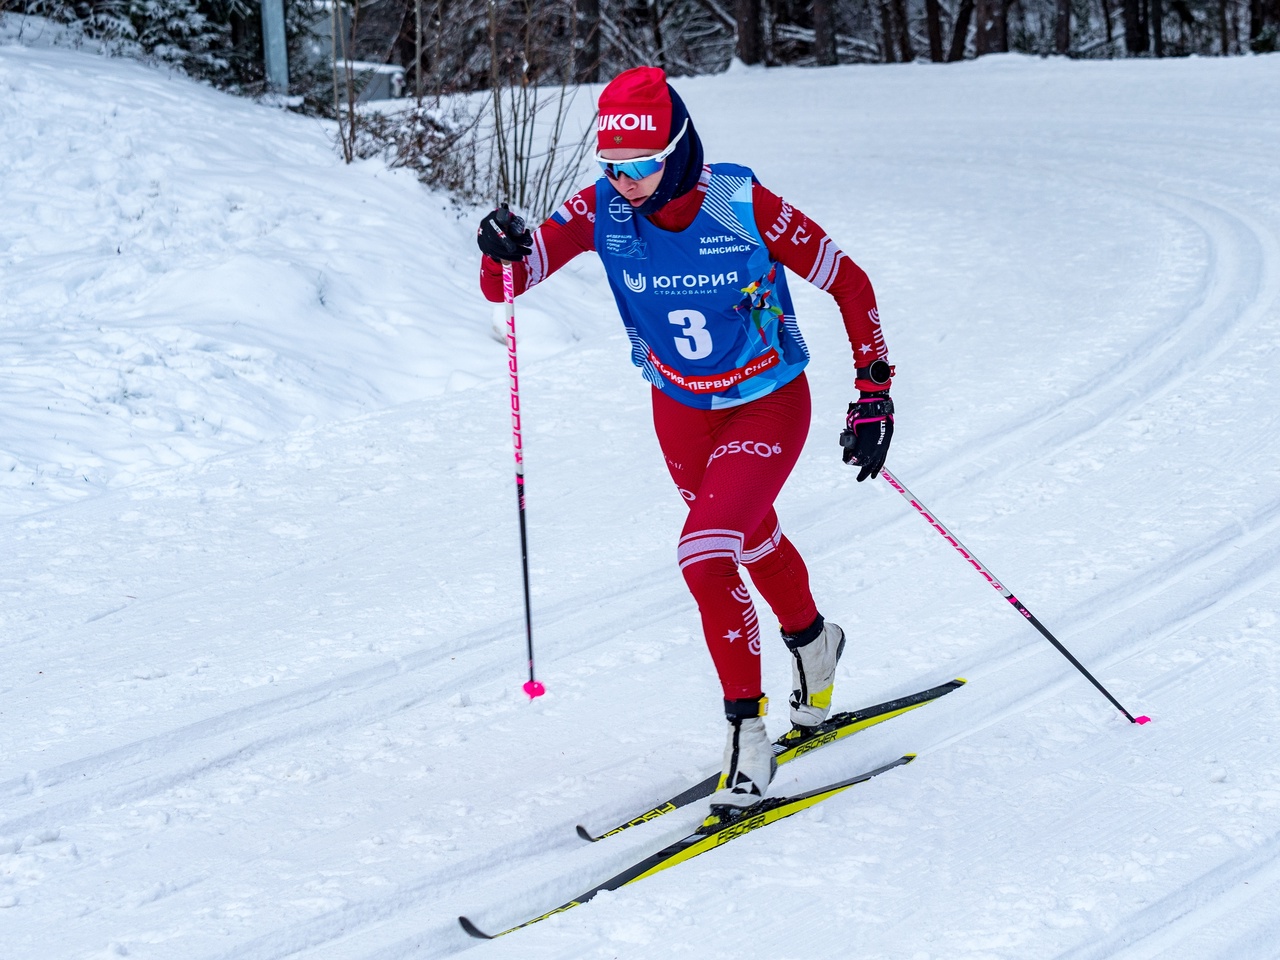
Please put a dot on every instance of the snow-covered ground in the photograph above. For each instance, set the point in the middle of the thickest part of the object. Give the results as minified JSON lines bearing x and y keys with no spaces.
{"x":261,"y":639}
{"x":185,"y":274}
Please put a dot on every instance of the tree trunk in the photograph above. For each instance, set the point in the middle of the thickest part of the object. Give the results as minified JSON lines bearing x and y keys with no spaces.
{"x":586,"y":66}
{"x":1062,"y":33}
{"x":986,"y":29}
{"x":886,"y":30}
{"x":1264,"y":18}
{"x":906,"y":51}
{"x":933,"y":20}
{"x":1157,"y":27}
{"x":1135,"y":30}
{"x":961,"y":33}
{"x":824,"y":33}
{"x":904,"y":32}
{"x":1222,"y":26}
{"x":1106,"y":21}
{"x":750,"y":34}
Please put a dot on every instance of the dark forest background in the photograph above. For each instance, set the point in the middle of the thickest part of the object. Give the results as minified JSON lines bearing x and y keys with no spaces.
{"x":485,"y":90}
{"x":447,"y":46}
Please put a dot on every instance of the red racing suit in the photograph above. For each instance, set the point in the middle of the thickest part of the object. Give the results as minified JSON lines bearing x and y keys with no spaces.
{"x":730,"y":464}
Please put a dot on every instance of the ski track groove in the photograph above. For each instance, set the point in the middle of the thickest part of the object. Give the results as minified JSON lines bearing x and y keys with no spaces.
{"x":1162,"y":360}
{"x":347,"y":920}
{"x":369,"y":681}
{"x":1208,"y":899}
{"x":1191,"y":610}
{"x":1263,"y":566}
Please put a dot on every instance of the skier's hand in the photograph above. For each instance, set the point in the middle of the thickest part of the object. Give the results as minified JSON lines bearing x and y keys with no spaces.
{"x":867,"y":433}
{"x":502,"y":236}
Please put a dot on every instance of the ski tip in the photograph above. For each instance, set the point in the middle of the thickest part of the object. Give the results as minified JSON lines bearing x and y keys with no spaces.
{"x":908,"y":757}
{"x":961,"y":680}
{"x":473,"y":930}
{"x":1141,"y":720}
{"x":534,"y":689}
{"x":585,"y":834}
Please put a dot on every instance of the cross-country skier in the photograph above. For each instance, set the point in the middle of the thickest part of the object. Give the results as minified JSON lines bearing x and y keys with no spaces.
{"x":695,"y":254}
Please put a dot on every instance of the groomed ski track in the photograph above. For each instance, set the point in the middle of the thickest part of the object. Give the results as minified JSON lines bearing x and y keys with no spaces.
{"x":268,"y":705}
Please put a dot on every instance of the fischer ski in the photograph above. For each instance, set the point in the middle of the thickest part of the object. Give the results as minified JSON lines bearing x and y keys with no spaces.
{"x":713,"y":833}
{"x":793,"y":744}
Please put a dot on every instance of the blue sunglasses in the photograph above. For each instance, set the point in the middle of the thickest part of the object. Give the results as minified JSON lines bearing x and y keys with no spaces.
{"x":641,"y":167}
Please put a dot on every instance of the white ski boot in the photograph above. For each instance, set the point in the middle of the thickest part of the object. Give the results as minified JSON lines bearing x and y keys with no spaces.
{"x":749,"y":763}
{"x":816,"y":651}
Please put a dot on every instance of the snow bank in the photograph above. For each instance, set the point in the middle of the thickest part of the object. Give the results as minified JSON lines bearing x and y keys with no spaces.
{"x":183,"y":273}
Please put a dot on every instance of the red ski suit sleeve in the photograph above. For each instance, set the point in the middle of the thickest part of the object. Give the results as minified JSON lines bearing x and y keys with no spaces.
{"x":804,"y":248}
{"x":795,"y":241}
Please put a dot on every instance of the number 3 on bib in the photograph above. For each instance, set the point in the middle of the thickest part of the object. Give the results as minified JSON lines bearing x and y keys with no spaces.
{"x":696,"y":341}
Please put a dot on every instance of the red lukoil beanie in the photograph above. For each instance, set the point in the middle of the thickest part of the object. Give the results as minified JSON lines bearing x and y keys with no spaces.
{"x":635,"y":111}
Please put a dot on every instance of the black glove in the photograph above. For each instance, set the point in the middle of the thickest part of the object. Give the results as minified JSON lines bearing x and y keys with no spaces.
{"x":868,"y":430}
{"x":502,"y":235}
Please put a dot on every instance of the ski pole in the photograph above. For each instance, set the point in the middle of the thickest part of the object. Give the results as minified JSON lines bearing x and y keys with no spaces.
{"x":1004,"y":591}
{"x":533,"y":687}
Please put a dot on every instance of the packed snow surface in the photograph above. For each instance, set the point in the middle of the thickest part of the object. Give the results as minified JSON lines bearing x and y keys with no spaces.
{"x":261,"y":637}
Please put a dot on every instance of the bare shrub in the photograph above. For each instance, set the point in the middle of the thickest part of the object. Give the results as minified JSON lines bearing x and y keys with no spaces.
{"x":440,"y":143}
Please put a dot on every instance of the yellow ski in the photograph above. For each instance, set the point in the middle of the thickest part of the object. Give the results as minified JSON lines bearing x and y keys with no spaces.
{"x":793,"y":744}
{"x":710,"y":835}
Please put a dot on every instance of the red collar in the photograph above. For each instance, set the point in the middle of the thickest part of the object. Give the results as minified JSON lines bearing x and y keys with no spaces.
{"x":682,"y":211}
